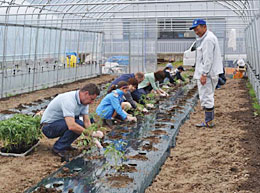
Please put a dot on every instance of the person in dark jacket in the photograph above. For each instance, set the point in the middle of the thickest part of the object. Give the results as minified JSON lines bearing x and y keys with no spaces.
{"x":167,"y":70}
{"x":125,"y":77}
{"x":132,"y":86}
{"x":221,"y":79}
{"x":177,"y":74}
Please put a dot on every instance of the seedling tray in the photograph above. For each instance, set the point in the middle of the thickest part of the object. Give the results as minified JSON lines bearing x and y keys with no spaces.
{"x":20,"y":154}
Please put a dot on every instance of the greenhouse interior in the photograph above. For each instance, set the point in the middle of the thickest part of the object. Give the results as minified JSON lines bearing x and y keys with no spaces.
{"x":48,"y":44}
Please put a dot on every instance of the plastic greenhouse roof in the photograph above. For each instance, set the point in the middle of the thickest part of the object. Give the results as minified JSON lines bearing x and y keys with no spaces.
{"x":71,"y":13}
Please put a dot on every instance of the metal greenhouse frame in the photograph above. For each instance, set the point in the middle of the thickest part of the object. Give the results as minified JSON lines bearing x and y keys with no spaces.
{"x":51,"y":42}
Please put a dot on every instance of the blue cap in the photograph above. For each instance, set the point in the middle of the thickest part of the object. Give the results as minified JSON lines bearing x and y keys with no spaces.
{"x":197,"y":22}
{"x":169,"y":65}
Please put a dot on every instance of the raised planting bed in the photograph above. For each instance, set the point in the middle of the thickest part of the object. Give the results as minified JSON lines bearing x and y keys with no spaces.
{"x":133,"y":154}
{"x":19,"y":135}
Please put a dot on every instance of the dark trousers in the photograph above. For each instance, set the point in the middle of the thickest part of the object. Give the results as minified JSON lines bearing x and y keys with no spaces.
{"x":60,"y":129}
{"x":139,"y":93}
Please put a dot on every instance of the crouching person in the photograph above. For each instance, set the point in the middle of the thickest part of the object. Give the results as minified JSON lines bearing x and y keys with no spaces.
{"x":112,"y":105}
{"x":61,"y":118}
{"x":149,"y":84}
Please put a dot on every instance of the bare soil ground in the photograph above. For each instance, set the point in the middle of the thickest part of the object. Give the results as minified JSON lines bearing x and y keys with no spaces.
{"x":224,"y":159}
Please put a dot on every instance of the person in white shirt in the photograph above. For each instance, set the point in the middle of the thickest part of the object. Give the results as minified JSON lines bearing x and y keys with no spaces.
{"x":208,"y":66}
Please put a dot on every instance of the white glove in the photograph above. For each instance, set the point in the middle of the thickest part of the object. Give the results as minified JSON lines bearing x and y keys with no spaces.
{"x":163,"y":94}
{"x":98,"y":134}
{"x":98,"y":144}
{"x":166,"y":86}
{"x":131,"y":119}
{"x":150,"y":106}
{"x":126,"y":105}
{"x":145,"y":110}
{"x":166,"y":94}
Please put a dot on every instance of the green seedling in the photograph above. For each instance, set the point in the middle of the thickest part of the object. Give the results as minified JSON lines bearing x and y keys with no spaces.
{"x":86,"y":140}
{"x":116,"y":155}
{"x":20,"y":129}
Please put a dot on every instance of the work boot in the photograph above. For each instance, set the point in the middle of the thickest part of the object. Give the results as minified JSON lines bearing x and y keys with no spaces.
{"x":63,"y":154}
{"x":71,"y":148}
{"x":209,"y":117}
{"x":209,"y":124}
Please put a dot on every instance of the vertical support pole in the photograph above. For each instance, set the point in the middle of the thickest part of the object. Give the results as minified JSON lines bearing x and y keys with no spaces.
{"x":76,"y":67}
{"x":224,"y":44}
{"x":129,"y":53}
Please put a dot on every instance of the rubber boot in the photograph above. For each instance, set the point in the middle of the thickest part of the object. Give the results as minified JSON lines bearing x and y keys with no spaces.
{"x":209,"y":117}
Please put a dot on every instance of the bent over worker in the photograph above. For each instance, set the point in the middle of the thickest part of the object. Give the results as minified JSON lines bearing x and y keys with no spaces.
{"x":112,"y":105}
{"x":208,"y":66}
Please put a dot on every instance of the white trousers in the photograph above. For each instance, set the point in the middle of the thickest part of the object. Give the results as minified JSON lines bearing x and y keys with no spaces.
{"x":206,"y":92}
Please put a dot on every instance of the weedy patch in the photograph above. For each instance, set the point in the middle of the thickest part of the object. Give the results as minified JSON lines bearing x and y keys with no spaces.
{"x":255,"y":103}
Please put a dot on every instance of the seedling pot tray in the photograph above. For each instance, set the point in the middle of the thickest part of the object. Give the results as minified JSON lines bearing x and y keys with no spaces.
{"x":147,"y":146}
{"x":21,"y":154}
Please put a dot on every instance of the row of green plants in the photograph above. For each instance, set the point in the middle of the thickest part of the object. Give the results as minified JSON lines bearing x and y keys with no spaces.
{"x":20,"y":129}
{"x":255,"y":102}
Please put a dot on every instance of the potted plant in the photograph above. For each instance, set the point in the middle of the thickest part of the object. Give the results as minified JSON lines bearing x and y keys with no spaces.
{"x":19,"y":134}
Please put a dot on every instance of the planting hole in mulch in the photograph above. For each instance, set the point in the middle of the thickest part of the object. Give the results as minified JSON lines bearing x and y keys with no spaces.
{"x":120,"y":181}
{"x":116,"y":137}
{"x":127,"y":168}
{"x":153,"y":139}
{"x":121,"y":131}
{"x":157,"y":125}
{"x":149,"y":147}
{"x":138,"y":157}
{"x":38,"y":101}
{"x":20,"y":107}
{"x":159,"y":132}
{"x":163,"y":116}
{"x":43,"y":189}
{"x":95,"y":157}
{"x":65,"y":172}
{"x":7,"y":112}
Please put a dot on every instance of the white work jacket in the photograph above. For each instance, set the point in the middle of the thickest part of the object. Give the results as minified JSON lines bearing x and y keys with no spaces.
{"x":208,"y":57}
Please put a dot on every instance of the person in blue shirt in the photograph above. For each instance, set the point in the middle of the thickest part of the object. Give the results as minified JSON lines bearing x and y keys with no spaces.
{"x":112,"y":104}
{"x":61,"y":117}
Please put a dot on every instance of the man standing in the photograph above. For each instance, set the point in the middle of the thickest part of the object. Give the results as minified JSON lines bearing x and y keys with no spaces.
{"x":208,"y":66}
{"x":61,"y":118}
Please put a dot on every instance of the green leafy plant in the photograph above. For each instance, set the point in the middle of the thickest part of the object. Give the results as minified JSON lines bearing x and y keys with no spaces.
{"x":20,"y":129}
{"x":255,"y":103}
{"x":116,"y":155}
{"x":106,"y":87}
{"x":86,"y":140}
{"x":149,"y":98}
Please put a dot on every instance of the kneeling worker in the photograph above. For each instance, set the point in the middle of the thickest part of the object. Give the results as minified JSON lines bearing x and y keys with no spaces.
{"x":61,"y":118}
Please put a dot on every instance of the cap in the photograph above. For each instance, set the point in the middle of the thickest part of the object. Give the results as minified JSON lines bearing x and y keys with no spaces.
{"x":197,"y":22}
{"x":181,"y":68}
{"x":169,"y":65}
